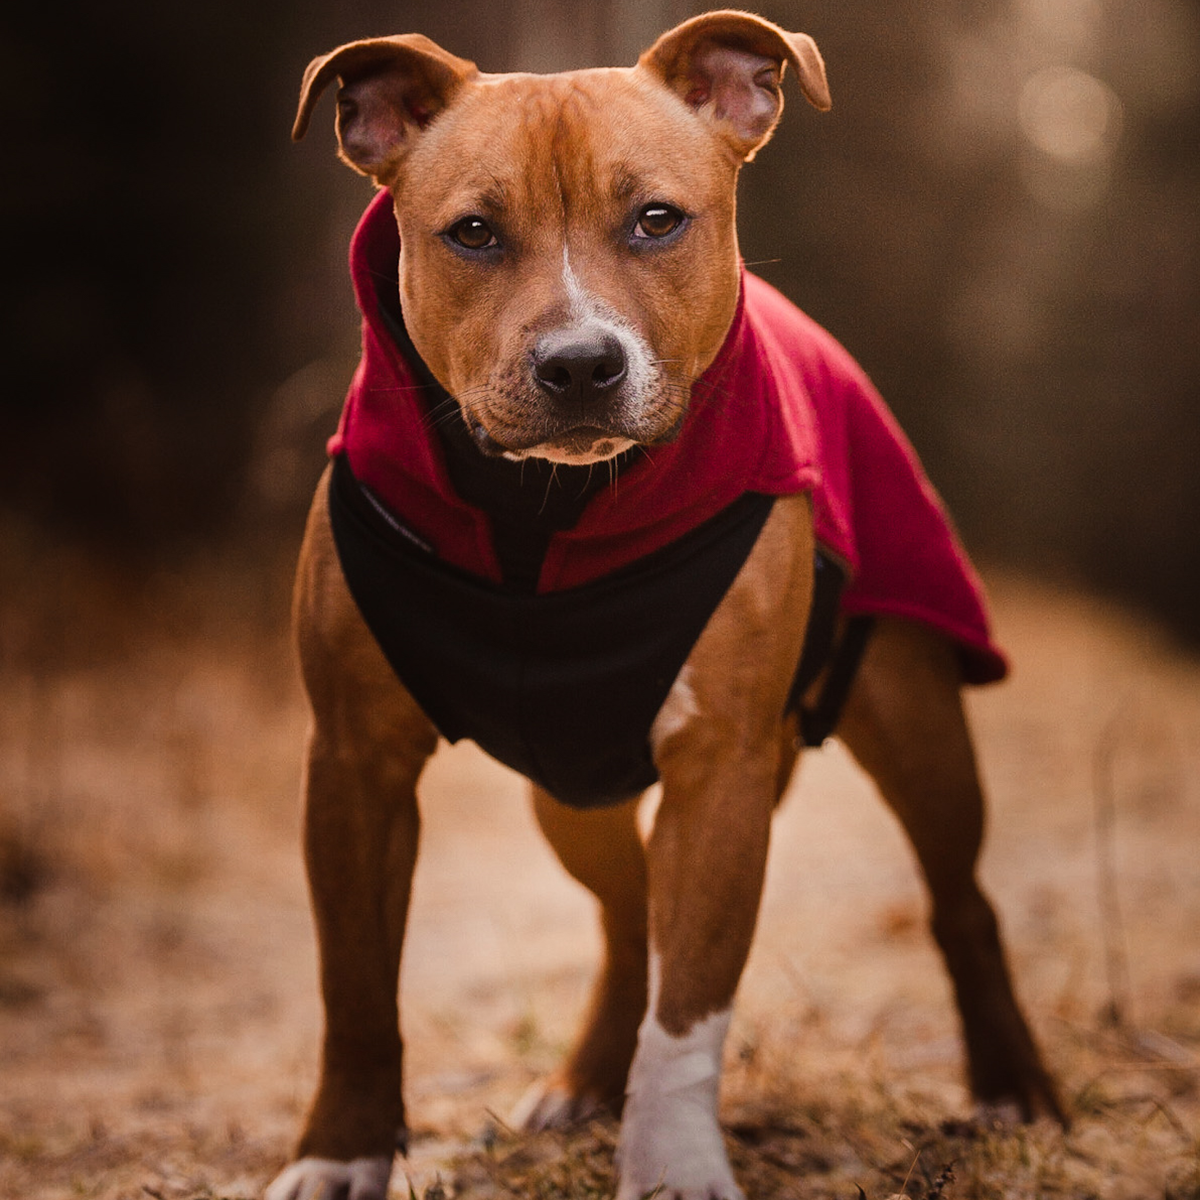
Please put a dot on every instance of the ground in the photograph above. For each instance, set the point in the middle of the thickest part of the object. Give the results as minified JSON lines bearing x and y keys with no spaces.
{"x":158,"y":1009}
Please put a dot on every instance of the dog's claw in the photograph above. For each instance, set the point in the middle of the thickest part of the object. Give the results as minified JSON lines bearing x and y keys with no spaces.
{"x":327,"y":1179}
{"x":550,"y":1105}
{"x":999,"y":1114}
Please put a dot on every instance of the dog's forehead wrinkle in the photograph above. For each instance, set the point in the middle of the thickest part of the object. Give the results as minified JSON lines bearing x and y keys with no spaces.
{"x":502,"y":146}
{"x":557,"y":114}
{"x":561,"y":192}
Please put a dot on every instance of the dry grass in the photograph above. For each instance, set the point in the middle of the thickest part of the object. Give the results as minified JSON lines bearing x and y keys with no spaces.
{"x":819,"y":1135}
{"x":157,"y":988}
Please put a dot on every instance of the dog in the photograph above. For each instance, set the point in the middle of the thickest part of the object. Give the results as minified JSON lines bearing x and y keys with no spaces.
{"x":611,"y":506}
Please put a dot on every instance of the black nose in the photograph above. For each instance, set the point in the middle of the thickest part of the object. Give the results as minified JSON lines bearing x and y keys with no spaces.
{"x":578,"y":366}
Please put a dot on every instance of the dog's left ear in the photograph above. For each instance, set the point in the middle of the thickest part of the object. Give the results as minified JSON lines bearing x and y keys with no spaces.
{"x":728,"y":66}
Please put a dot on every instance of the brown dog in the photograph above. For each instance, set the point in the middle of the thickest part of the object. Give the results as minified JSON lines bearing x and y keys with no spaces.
{"x":568,"y":271}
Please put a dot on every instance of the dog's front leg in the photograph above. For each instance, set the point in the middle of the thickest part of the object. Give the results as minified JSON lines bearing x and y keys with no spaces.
{"x":368,"y":744}
{"x":706,"y":860}
{"x":717,"y":745}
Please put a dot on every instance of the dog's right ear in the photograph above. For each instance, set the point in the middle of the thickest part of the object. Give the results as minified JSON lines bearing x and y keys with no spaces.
{"x":391,"y":88}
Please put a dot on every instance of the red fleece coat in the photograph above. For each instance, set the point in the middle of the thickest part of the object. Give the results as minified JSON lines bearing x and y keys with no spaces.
{"x":783,"y":409}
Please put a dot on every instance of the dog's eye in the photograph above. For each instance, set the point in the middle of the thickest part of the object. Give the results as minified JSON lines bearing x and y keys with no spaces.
{"x":472,"y":233}
{"x":658,"y":221}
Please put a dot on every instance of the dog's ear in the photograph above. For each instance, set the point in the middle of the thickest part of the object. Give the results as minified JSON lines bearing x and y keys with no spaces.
{"x":391,"y":88}
{"x":728,"y":66}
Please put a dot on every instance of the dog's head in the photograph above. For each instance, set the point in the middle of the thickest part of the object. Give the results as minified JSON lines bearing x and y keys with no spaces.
{"x":568,"y":262}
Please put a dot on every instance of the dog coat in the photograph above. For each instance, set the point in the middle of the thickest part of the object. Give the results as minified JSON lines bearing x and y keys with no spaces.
{"x":546,"y":612}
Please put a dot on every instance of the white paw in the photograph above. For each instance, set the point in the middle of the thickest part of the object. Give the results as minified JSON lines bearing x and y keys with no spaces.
{"x":671,"y":1144}
{"x":326,"y":1179}
{"x":676,"y":1153}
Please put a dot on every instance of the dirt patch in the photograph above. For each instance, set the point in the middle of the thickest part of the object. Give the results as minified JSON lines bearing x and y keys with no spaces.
{"x":158,"y":1012}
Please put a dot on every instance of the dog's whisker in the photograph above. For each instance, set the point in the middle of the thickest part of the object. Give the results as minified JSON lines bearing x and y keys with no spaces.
{"x":549,"y":484}
{"x":442,"y":417}
{"x":588,"y":478}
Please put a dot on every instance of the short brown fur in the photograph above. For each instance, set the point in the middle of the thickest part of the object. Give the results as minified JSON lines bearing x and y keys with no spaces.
{"x":558,"y":162}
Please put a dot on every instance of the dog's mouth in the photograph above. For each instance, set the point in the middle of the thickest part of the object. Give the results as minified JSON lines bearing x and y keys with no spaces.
{"x":580,"y":446}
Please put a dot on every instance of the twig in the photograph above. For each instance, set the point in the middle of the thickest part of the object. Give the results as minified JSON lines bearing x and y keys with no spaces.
{"x":1116,"y":959}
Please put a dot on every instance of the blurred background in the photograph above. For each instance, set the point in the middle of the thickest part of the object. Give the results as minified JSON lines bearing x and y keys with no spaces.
{"x":1000,"y":218}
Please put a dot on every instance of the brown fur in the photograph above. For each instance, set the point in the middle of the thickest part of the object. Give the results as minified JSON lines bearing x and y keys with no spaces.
{"x":701,"y":101}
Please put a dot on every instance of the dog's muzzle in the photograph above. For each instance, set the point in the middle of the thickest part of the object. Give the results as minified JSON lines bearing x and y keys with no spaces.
{"x":588,"y":391}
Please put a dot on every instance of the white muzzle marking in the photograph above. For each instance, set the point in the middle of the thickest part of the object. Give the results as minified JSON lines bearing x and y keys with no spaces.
{"x":584,"y":310}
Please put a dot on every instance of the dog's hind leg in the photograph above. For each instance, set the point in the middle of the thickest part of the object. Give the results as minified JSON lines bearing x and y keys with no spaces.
{"x":603,"y":850}
{"x":368,"y":744}
{"x":904,"y":723}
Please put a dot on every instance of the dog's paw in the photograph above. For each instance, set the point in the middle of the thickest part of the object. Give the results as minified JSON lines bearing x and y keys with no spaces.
{"x":673,"y":1152}
{"x":704,"y":1178}
{"x":326,"y":1179}
{"x":551,"y":1104}
{"x":671,"y":1144}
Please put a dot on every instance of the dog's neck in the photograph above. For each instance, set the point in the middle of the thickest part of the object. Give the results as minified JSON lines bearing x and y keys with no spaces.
{"x":527,"y":502}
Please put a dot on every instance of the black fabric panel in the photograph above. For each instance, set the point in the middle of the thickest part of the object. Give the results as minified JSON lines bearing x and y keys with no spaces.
{"x":820,"y":720}
{"x":828,"y":581}
{"x":562,"y":687}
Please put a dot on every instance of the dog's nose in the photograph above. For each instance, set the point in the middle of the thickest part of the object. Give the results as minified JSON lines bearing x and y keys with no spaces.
{"x":578,"y":366}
